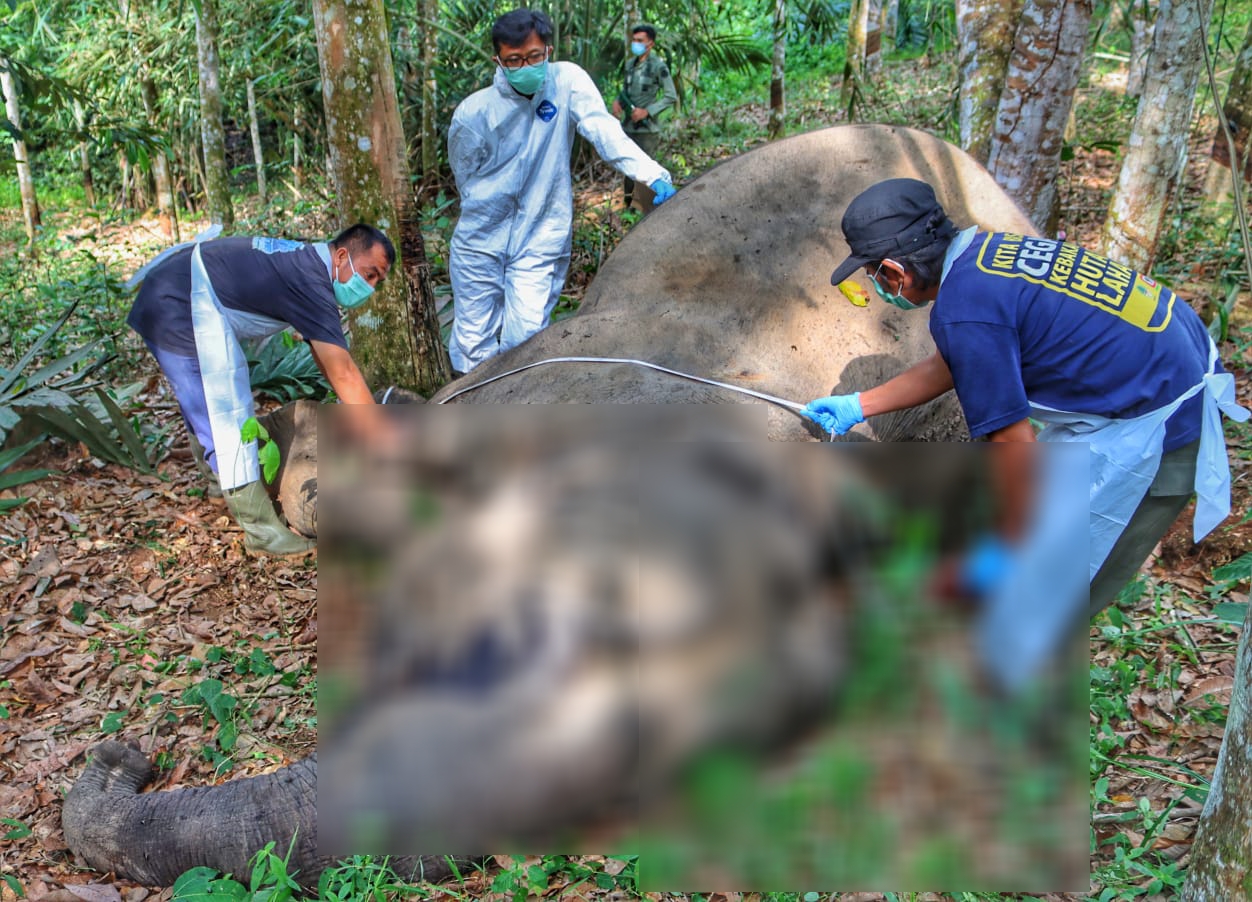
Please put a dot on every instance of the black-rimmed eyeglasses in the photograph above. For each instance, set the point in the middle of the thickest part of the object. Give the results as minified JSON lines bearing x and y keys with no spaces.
{"x":534,"y":58}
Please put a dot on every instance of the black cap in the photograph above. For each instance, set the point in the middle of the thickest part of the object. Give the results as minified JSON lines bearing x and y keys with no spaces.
{"x":897,"y":216}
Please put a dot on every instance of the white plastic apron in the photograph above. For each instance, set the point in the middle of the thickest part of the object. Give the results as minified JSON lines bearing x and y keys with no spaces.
{"x":224,"y":373}
{"x":1126,"y":454}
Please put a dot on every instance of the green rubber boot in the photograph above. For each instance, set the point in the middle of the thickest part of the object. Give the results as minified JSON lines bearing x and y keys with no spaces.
{"x":197,"y":451}
{"x":263,"y":529}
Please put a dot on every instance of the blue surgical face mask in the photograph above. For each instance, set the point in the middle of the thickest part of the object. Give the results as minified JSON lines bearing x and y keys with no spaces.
{"x":637,"y":48}
{"x":895,"y":300}
{"x":354,"y":292}
{"x":528,"y":79}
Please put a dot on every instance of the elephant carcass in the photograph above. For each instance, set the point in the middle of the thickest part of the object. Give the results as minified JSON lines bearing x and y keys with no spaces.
{"x":293,"y":430}
{"x":570,"y":626}
{"x":730,"y":280}
{"x":112,"y":825}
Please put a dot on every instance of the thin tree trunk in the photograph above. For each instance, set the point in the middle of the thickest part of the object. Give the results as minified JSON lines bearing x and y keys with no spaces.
{"x":428,"y":10}
{"x":1035,"y":103}
{"x":396,"y":337}
{"x":778,"y":74}
{"x":212,"y":133}
{"x":1221,"y":856}
{"x":854,"y":66}
{"x":1238,"y":110}
{"x":1142,"y":19}
{"x":84,"y":155}
{"x":25,"y":181}
{"x":873,"y":38}
{"x":297,"y":147}
{"x":123,"y":170}
{"x":1157,"y":148}
{"x":634,"y":16}
{"x":167,"y":215}
{"x":985,"y":37}
{"x":258,"y":153}
{"x":888,"y":20}
{"x":195,"y":165}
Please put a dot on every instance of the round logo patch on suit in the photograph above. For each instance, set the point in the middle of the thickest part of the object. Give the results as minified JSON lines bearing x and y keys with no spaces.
{"x":545,"y":111}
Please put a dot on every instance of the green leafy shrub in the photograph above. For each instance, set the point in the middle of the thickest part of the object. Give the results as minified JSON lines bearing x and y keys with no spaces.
{"x":283,"y":369}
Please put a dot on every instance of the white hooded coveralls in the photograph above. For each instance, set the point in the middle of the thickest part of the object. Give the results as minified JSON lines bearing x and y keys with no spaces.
{"x":510,"y":155}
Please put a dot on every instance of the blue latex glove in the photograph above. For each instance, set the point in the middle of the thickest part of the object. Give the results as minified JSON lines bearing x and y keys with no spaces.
{"x":836,"y":414}
{"x":663,"y":191}
{"x":986,"y":565}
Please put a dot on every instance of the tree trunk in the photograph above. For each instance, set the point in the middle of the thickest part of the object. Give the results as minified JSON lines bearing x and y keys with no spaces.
{"x":258,"y":154}
{"x":396,"y":337}
{"x":25,"y":181}
{"x":1142,"y":17}
{"x":212,"y":133}
{"x":985,"y":38}
{"x":888,"y":20}
{"x":1221,"y":857}
{"x":854,"y":67}
{"x":1157,"y":148}
{"x":297,"y":147}
{"x":167,"y":215}
{"x":778,"y":74}
{"x":123,"y":171}
{"x":1034,"y":105}
{"x":634,"y":16}
{"x":428,"y":12}
{"x":1238,"y":110}
{"x":84,"y":155}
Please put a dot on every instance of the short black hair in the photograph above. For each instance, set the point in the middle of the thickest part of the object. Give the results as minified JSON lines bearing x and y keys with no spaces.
{"x":515,"y":27}
{"x":362,"y":238}
{"x":646,"y":29}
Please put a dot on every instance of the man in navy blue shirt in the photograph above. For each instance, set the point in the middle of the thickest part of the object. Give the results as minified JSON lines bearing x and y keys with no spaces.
{"x":1037,"y":329}
{"x":197,"y":302}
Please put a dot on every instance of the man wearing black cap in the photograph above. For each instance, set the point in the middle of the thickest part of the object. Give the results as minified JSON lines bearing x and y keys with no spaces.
{"x":1033,"y":328}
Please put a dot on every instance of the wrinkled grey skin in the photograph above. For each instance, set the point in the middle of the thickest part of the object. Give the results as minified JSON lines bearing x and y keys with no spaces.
{"x":152,"y":838}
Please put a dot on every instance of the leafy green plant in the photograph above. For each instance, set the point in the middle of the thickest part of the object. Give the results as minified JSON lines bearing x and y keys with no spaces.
{"x":14,"y":884}
{"x":17,"y":829}
{"x":269,"y":882}
{"x":283,"y":369}
{"x":55,"y":397}
{"x":267,"y":450}
{"x":358,"y":878}
{"x":222,"y":708}
{"x":17,"y":477}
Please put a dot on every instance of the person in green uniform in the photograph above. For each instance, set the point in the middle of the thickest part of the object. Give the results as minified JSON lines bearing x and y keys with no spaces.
{"x":648,"y":90}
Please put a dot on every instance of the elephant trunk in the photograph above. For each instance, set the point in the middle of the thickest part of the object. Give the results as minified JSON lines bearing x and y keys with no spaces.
{"x":152,"y":838}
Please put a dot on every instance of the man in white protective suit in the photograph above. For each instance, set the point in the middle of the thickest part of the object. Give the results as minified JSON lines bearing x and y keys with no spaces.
{"x":509,"y":146}
{"x":198,"y":300}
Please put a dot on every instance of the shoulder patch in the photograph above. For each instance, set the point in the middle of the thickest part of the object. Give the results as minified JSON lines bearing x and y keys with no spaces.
{"x":275,"y":245}
{"x":546,"y":111}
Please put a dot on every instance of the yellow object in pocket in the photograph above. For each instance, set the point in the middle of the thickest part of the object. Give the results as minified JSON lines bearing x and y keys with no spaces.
{"x":854,"y":293}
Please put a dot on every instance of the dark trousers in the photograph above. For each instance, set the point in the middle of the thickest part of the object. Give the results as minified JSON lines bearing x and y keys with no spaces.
{"x":1170,"y":491}
{"x":648,"y":143}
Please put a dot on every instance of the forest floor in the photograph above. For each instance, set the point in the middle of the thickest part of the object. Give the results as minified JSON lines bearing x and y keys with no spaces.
{"x":130,"y":610}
